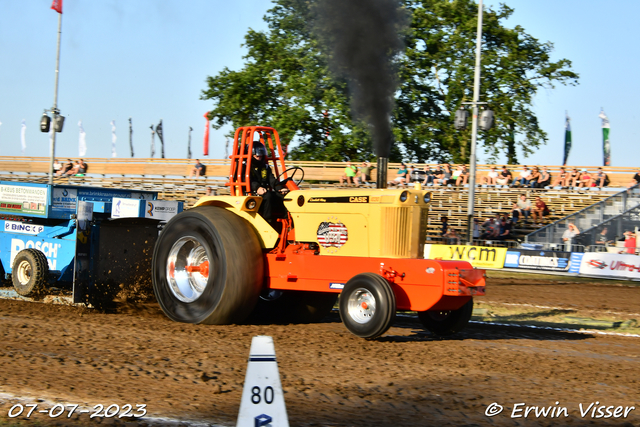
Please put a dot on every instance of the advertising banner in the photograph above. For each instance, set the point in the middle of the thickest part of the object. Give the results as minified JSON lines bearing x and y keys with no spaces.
{"x":478,"y":256}
{"x":537,"y":260}
{"x":611,"y":265}
{"x":20,"y":199}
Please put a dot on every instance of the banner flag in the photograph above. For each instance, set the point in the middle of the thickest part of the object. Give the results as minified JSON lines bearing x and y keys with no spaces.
{"x":189,"y":144}
{"x":153,"y":141}
{"x":606,"y":147}
{"x":131,"y":136}
{"x":113,"y":139}
{"x":57,"y":6}
{"x":23,"y":135}
{"x":82,"y":142}
{"x":159,"y":132}
{"x":567,"y":138}
{"x":205,"y":149}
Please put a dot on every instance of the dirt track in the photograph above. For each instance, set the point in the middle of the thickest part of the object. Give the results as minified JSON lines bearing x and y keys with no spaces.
{"x":330,"y":377}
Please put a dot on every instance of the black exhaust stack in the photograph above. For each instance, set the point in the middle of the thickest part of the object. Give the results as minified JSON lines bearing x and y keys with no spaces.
{"x":381,"y":178}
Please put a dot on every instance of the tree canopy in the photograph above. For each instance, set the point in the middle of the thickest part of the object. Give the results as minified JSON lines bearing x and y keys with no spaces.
{"x":286,"y":83}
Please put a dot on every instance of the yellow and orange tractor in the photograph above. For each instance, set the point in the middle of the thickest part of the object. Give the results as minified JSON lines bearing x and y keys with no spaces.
{"x":220,"y":262}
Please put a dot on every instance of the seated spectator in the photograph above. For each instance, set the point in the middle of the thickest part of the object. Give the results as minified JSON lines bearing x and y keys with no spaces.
{"x":82,"y":168}
{"x":561,"y":179}
{"x":56,"y":166}
{"x":505,"y":229}
{"x":545,"y":178}
{"x":349,"y":176}
{"x":197,"y":170}
{"x":601,"y":179}
{"x":516,"y":213}
{"x":491,"y":229}
{"x":445,"y":177}
{"x":574,"y":178}
{"x":434,"y":176}
{"x":66,"y":168}
{"x":491,"y":178}
{"x":452,"y":237}
{"x":401,"y":177}
{"x":534,"y":177}
{"x":445,"y":227}
{"x":428,"y":175}
{"x":540,"y":210}
{"x":505,"y":177}
{"x":525,"y":206}
{"x":364,"y":175}
{"x":463,"y":176}
{"x":74,"y":169}
{"x":585,"y":179}
{"x":636,"y":179}
{"x":524,"y":177}
{"x":603,"y":238}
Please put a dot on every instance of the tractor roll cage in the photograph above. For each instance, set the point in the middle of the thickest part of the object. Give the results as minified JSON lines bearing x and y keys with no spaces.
{"x":241,"y":157}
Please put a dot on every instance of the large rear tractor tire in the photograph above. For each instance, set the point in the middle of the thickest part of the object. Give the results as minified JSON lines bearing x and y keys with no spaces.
{"x":208,"y":267}
{"x":293,"y":307}
{"x":29,"y":272}
{"x":445,"y":323}
{"x":367,"y":305}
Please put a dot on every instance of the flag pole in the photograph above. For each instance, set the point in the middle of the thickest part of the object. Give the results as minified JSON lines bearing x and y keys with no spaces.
{"x":55,"y":110}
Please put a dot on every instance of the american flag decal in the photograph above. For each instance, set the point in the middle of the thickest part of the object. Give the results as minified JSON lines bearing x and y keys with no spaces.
{"x":332,"y":234}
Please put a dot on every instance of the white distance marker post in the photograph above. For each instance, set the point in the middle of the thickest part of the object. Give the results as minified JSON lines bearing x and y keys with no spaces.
{"x":262,"y":401}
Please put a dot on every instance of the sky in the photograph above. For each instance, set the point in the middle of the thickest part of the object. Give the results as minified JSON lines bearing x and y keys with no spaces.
{"x":149,"y":60}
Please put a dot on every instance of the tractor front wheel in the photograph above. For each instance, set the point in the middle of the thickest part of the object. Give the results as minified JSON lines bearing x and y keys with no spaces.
{"x":208,"y":267}
{"x":445,"y":323}
{"x":29,"y":272}
{"x":367,"y":305}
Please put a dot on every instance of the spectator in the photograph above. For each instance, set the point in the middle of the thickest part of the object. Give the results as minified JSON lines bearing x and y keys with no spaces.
{"x":66,"y":168}
{"x":561,"y":180}
{"x":524,"y":177}
{"x":573,"y":179}
{"x":629,"y":242}
{"x":463,"y":177}
{"x":446,"y":175}
{"x":74,"y":169}
{"x":516,"y":213}
{"x":545,"y":178}
{"x":365,"y":173}
{"x":534,"y":177}
{"x":429,"y":175}
{"x":452,"y":237}
{"x":540,"y":210}
{"x":82,"y":168}
{"x":570,"y":234}
{"x":197,"y":170}
{"x":56,"y":166}
{"x":491,"y":229}
{"x":491,"y":177}
{"x":401,"y":177}
{"x":505,"y":229}
{"x":636,"y":179}
{"x":476,"y":229}
{"x":445,"y":227}
{"x":603,"y":237}
{"x":525,"y":206}
{"x":585,"y":179}
{"x":601,"y":179}
{"x":435,"y":176}
{"x":349,"y":175}
{"x":504,"y":177}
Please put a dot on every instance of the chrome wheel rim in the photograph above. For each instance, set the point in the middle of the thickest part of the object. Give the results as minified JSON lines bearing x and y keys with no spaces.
{"x":24,"y":272}
{"x":188,"y":269}
{"x":361,"y":306}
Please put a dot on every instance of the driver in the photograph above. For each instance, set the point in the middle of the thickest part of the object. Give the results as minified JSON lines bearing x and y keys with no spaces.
{"x":263,"y":184}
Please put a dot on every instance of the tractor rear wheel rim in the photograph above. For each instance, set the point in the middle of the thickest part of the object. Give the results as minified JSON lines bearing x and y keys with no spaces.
{"x":361,"y":306}
{"x":186,"y":284}
{"x":24,"y":272}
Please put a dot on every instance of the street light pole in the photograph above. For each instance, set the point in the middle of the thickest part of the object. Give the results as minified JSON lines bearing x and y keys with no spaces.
{"x":55,"y":110}
{"x":474,"y":130}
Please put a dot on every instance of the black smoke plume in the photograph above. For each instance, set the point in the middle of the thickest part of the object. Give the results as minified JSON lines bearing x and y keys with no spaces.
{"x":362,"y":37}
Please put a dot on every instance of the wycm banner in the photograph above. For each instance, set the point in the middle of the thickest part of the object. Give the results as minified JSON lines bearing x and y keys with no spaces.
{"x":478,"y":256}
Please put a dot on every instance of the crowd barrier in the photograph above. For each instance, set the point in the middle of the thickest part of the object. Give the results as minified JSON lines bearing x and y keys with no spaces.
{"x":589,"y":264}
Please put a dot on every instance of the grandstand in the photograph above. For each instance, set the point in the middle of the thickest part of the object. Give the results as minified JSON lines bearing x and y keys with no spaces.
{"x":169,"y":177}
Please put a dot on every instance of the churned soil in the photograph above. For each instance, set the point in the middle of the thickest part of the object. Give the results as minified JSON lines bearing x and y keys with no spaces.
{"x":193,"y":374}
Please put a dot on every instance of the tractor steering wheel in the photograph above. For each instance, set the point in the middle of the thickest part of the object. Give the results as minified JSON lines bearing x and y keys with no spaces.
{"x":294,"y":169}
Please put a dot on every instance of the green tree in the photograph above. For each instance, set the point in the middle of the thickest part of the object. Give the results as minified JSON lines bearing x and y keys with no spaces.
{"x":286,"y":83}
